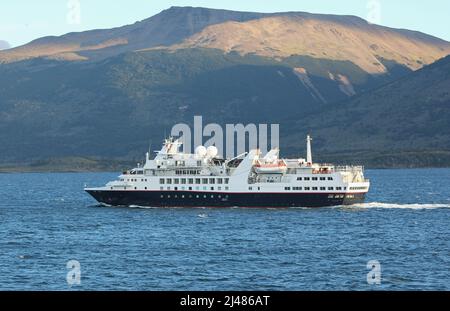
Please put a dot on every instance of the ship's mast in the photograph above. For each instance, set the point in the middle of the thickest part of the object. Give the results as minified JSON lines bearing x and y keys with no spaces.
{"x":308,"y":150}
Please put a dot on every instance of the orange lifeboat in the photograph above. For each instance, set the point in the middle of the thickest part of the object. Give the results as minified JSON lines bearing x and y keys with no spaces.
{"x":278,"y":167}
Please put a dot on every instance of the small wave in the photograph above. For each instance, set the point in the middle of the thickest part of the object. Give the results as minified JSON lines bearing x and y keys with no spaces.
{"x":142,"y":207}
{"x":203,"y":215}
{"x":404,"y":206}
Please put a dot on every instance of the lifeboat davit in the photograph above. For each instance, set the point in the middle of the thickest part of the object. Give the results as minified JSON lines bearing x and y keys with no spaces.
{"x":278,"y":167}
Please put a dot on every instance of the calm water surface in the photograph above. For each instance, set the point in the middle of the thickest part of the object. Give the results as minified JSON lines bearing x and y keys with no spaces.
{"x":46,"y":220}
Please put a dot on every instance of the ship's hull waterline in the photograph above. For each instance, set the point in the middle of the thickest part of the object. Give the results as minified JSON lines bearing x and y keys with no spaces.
{"x":223,"y":200}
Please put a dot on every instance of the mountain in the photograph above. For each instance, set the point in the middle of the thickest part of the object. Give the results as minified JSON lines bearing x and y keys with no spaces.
{"x":166,"y":28}
{"x":105,"y":93}
{"x":4,"y":45}
{"x":405,"y":121}
{"x":279,"y":35}
{"x":342,"y":38}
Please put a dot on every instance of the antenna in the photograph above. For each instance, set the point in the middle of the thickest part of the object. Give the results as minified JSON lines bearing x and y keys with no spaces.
{"x":149,"y":149}
{"x":308,"y":150}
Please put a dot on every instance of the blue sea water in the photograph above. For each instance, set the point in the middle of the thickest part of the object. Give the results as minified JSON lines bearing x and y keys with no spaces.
{"x":47,"y":220}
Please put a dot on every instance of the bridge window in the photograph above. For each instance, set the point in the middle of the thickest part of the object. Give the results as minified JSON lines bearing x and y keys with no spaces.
{"x":314,"y":178}
{"x":211,"y":181}
{"x":307,"y":188}
{"x":197,"y":181}
{"x":307,"y":178}
{"x":227,"y":180}
{"x":314,"y":188}
{"x":219,"y":180}
{"x":169,"y":181}
{"x":299,"y":178}
{"x":322,"y":178}
{"x":330,"y":188}
{"x":183,"y":181}
{"x":205,"y":181}
{"x":176,"y":181}
{"x":338,"y":188}
{"x":287,"y":188}
{"x":323,"y":188}
{"x":330,"y":178}
{"x":191,"y":181}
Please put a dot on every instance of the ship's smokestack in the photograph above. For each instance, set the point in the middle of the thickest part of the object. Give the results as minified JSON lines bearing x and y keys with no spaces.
{"x":308,"y":150}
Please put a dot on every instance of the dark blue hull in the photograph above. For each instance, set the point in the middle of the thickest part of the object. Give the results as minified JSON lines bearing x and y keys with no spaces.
{"x":210,"y":199}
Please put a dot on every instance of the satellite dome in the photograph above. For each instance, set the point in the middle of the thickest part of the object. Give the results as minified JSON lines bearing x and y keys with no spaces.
{"x":212,"y":151}
{"x":200,"y":151}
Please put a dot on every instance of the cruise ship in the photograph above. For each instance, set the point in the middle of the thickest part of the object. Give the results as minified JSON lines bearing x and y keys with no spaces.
{"x":254,"y":180}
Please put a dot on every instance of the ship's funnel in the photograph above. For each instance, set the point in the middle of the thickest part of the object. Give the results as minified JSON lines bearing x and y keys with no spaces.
{"x":308,"y":150}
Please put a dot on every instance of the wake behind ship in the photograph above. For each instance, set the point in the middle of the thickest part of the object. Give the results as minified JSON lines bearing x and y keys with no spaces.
{"x":202,"y":179}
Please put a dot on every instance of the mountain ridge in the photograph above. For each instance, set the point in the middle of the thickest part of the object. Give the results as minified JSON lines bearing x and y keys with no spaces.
{"x":176,"y":24}
{"x":109,"y":100}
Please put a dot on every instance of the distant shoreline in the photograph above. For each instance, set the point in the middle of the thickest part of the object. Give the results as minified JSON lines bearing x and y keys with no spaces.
{"x":370,"y":160}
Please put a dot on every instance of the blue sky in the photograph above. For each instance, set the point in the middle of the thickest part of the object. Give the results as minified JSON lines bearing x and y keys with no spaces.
{"x":23,"y":20}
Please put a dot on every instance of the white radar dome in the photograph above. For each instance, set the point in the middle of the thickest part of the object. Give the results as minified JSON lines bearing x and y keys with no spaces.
{"x":212,"y":151}
{"x":200,"y":151}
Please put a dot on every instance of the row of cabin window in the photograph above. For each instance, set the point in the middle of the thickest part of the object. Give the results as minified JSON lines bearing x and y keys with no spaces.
{"x":191,"y":188}
{"x":134,"y":179}
{"x":314,"y":178}
{"x":314,"y":188}
{"x":190,"y":181}
{"x":190,"y":196}
{"x":358,"y":188}
{"x":187,"y":172}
